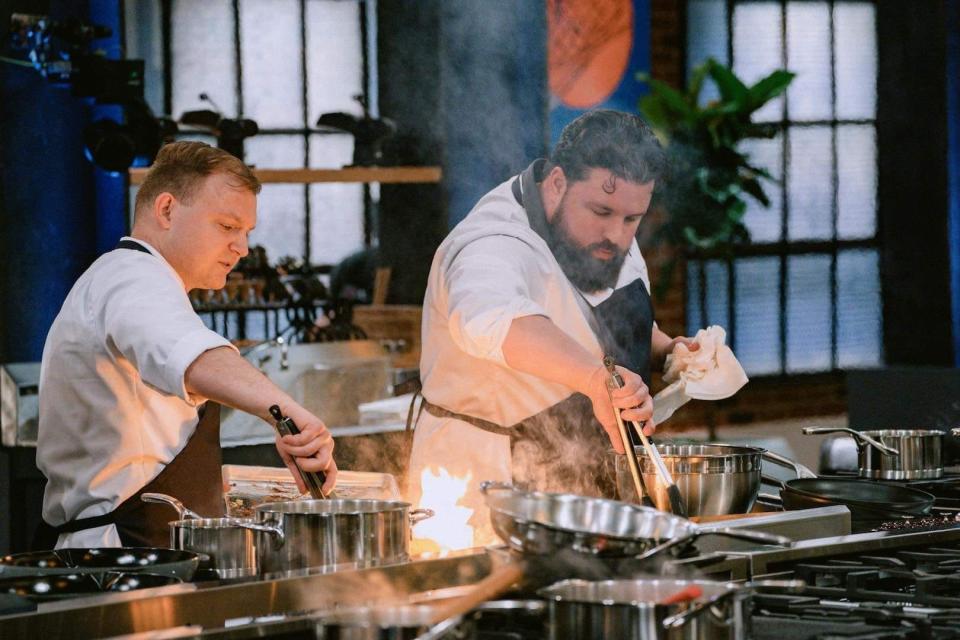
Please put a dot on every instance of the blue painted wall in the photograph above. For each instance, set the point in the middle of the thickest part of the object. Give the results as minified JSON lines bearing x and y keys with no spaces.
{"x":54,"y":219}
{"x":953,"y":163}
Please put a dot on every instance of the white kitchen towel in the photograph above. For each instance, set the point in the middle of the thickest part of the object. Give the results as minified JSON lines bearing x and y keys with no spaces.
{"x":711,"y":372}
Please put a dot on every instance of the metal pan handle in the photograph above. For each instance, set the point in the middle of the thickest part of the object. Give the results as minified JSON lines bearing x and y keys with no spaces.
{"x":682,"y":618}
{"x":856,"y":435}
{"x":270,"y":527}
{"x":799,"y":469}
{"x":419,"y":515}
{"x":487,"y":485}
{"x":739,"y":534}
{"x":162,"y":498}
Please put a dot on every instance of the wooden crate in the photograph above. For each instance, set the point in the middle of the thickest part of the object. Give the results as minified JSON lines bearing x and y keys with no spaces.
{"x":393,"y":322}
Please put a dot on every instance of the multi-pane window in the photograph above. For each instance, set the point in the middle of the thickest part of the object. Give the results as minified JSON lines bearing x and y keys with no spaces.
{"x":281,"y":63}
{"x":804,"y":296}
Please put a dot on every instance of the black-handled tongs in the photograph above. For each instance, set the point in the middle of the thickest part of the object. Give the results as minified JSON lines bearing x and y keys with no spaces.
{"x":313,"y":480}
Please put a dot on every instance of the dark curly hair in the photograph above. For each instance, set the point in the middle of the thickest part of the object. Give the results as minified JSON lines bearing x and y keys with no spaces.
{"x":605,"y":139}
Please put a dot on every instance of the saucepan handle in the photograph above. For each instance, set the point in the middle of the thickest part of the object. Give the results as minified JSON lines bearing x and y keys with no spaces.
{"x":680,"y":619}
{"x":861,"y":438}
{"x":270,"y":527}
{"x":419,"y":515}
{"x":487,"y":485}
{"x":183,"y":513}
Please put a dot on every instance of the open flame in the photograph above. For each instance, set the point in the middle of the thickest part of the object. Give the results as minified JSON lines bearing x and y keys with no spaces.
{"x":448,"y":530}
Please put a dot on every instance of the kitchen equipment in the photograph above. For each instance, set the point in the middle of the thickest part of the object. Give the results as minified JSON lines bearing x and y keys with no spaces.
{"x":100,"y":561}
{"x":328,"y":535}
{"x":633,"y":610}
{"x":19,"y":403}
{"x":615,"y":382}
{"x":713,"y":479}
{"x":895,"y":454}
{"x":866,"y":500}
{"x":673,"y":493}
{"x":391,"y":622}
{"x":231,"y":549}
{"x":73,"y":585}
{"x":312,"y":480}
{"x":544,"y":523}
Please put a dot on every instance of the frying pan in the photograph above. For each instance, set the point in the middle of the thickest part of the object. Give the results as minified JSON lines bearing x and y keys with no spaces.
{"x":866,"y":500}
{"x":547,"y":523}
{"x":99,"y":561}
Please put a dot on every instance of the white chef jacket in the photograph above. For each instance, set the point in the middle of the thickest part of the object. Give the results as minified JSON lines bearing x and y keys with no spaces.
{"x":492,"y":268}
{"x":113,"y":407}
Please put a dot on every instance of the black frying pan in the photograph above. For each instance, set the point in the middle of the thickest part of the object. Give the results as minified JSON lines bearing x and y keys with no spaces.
{"x":865,"y":499}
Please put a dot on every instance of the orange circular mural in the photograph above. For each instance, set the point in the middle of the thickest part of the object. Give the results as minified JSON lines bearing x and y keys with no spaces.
{"x":588,"y":48}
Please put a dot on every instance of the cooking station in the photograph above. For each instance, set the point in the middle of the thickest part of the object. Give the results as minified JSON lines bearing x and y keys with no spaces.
{"x":900,"y":583}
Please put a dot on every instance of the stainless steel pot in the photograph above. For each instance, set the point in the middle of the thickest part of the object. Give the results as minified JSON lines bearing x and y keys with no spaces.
{"x":231,"y":548}
{"x":629,"y":610}
{"x":713,"y":479}
{"x":397,"y":622}
{"x":327,"y":535}
{"x":895,"y":454}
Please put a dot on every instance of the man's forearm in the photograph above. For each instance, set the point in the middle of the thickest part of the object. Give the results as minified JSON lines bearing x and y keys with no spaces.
{"x":224,"y":376}
{"x":536,"y":346}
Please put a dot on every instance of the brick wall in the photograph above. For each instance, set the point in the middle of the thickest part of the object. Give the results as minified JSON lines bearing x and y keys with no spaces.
{"x":763,"y":399}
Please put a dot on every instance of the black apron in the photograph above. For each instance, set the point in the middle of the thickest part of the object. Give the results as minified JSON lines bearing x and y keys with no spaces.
{"x":193,"y":476}
{"x":550,"y":450}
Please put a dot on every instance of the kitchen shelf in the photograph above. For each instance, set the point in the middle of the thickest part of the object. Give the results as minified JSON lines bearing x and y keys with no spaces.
{"x":385,"y":175}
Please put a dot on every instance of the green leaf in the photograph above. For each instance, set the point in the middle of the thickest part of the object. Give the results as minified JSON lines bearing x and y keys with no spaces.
{"x":768,"y":88}
{"x":730,"y":86}
{"x":755,"y":189}
{"x":671,"y":98}
{"x":695,"y":86}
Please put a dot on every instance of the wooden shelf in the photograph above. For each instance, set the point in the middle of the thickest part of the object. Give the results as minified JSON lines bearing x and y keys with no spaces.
{"x":386,"y":175}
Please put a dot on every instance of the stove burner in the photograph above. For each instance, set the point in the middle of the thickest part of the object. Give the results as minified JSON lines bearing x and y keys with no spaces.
{"x":910,"y":594}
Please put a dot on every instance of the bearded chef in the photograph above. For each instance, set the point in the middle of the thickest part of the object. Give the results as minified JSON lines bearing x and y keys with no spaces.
{"x":525,"y":297}
{"x":131,"y":377}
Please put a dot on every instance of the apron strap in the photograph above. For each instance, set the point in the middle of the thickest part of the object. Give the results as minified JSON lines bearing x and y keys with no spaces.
{"x":130,"y":244}
{"x":490,"y":427}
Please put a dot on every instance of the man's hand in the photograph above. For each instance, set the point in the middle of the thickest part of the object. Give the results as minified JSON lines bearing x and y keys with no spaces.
{"x":661,"y":345}
{"x":311,"y":449}
{"x":633,"y":400}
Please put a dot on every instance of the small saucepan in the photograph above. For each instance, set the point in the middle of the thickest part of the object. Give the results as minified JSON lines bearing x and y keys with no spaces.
{"x":895,"y":454}
{"x":231,"y":548}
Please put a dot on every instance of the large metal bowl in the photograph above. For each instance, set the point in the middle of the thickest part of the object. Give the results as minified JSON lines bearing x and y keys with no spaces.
{"x":713,"y":479}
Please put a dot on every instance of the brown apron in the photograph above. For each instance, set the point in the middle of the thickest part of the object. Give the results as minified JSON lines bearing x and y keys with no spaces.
{"x":193,"y":476}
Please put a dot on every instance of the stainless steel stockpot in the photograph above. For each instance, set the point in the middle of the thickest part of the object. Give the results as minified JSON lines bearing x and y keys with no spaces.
{"x":327,"y":535}
{"x":713,"y":479}
{"x":895,"y":454}
{"x":629,"y":610}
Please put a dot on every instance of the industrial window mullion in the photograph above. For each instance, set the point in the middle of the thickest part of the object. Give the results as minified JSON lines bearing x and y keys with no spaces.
{"x":237,"y":56}
{"x":368,"y":222}
{"x":835,"y":201}
{"x":166,"y":36}
{"x":306,"y":134}
{"x":785,"y":216}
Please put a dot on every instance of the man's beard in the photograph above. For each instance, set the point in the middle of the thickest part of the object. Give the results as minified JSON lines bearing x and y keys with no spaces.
{"x":586,"y":272}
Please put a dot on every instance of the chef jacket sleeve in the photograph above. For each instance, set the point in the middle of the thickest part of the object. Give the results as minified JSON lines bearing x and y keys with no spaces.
{"x":148,"y":319}
{"x":488,"y":285}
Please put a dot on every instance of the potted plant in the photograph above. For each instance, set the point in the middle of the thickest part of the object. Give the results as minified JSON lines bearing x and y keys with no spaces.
{"x":710,"y":177}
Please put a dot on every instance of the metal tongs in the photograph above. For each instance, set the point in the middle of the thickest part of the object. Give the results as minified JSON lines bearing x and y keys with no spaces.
{"x":615,"y":381}
{"x":313,"y":480}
